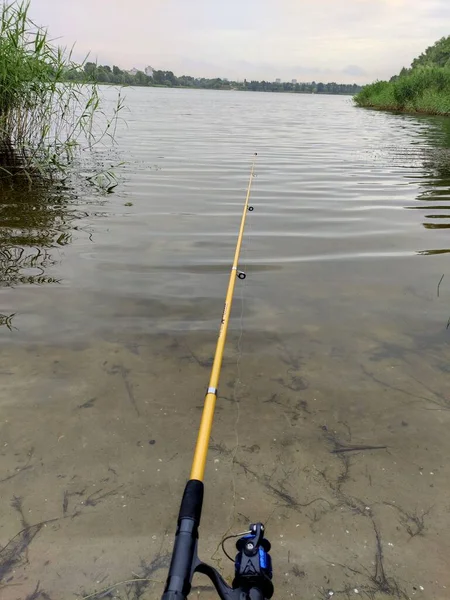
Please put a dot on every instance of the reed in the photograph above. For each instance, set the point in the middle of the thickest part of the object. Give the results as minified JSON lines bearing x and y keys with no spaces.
{"x":421,"y":90}
{"x":44,"y":119}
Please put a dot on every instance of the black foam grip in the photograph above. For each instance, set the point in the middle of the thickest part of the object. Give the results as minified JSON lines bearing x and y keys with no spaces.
{"x":191,"y":505}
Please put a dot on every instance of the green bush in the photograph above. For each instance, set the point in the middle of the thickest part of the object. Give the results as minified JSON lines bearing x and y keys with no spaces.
{"x":380,"y":93}
{"x":423,"y":89}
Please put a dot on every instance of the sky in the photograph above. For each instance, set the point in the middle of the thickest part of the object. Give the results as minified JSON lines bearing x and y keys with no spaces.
{"x":309,"y":40}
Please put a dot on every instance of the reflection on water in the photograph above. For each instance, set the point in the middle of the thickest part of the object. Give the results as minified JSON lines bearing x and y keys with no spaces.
{"x":20,"y":265}
{"x":33,"y":220}
{"x":435,"y":178}
{"x":109,"y":309}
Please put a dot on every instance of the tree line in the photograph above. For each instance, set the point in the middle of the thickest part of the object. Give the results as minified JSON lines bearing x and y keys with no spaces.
{"x":106,"y":74}
{"x":437,"y":55}
{"x":424,"y":87}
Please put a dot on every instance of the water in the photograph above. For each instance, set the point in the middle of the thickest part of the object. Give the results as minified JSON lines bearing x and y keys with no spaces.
{"x":338,"y":340}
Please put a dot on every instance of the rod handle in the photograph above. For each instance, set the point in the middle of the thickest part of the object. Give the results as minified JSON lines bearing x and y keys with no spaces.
{"x":184,"y":555}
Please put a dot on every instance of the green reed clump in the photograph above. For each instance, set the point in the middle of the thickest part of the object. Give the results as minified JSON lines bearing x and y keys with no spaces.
{"x":433,"y":102}
{"x":44,"y":119}
{"x":380,"y":93}
{"x":422,"y":89}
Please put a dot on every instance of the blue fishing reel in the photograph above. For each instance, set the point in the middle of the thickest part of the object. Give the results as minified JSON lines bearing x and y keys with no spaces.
{"x":253,"y":565}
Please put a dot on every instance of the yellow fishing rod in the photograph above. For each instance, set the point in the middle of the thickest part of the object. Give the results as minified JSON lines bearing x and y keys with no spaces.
{"x":253,"y":568}
{"x":204,"y":433}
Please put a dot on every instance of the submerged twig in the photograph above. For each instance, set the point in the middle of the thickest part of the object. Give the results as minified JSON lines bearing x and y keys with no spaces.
{"x":7,"y":321}
{"x":356,"y":449}
{"x":20,"y":469}
{"x":439,"y":284}
{"x":38,"y":594}
{"x":11,"y":555}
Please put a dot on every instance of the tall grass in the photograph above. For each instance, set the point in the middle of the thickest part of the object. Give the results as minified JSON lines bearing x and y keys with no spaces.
{"x":424,"y":89}
{"x":44,"y":120}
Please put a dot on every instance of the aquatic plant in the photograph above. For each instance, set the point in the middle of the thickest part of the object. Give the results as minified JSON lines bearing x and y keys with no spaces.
{"x":424,"y":88}
{"x":44,"y":119}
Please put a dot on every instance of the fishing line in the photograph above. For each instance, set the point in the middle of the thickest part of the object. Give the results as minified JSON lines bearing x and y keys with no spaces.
{"x":237,"y":382}
{"x":229,"y":537}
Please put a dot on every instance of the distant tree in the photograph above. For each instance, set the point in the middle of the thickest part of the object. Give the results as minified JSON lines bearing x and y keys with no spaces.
{"x":128,"y":79}
{"x":170,"y":78}
{"x":141,"y":78}
{"x":103,"y":76}
{"x":158,"y":77}
{"x":436,"y":55}
{"x":71,"y":75}
{"x":186,"y":81}
{"x":90,"y":69}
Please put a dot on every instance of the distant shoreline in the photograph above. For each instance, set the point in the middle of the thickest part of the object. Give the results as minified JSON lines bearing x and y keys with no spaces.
{"x":180,"y":87}
{"x":104,"y":74}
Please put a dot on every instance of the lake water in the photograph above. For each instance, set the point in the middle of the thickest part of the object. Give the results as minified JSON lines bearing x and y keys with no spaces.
{"x":338,"y":341}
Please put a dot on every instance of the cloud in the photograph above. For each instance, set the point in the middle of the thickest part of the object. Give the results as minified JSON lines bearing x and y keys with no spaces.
{"x":313,"y":39}
{"x":354,"y":70}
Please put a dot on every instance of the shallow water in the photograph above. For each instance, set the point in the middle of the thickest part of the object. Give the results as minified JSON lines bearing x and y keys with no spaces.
{"x":338,"y":340}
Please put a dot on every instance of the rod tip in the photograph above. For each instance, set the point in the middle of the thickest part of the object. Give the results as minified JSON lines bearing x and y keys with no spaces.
{"x":256,"y":154}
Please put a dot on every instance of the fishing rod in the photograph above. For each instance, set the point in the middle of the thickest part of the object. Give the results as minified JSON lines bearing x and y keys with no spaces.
{"x":253,"y":565}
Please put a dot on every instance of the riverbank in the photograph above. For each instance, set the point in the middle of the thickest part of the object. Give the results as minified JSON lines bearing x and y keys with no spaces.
{"x":421,"y":91}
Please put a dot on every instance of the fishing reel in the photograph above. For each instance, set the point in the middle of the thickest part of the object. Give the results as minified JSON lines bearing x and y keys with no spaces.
{"x":252,"y":568}
{"x":252,"y":564}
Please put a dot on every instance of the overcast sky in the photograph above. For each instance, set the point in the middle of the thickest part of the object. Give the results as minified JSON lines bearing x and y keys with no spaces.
{"x":322,"y":40}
